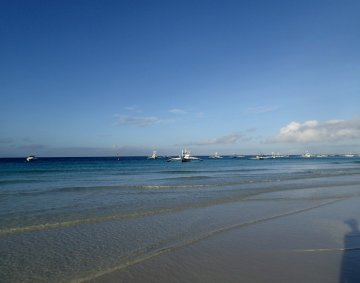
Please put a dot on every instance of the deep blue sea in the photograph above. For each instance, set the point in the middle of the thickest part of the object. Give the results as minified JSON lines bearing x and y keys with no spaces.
{"x":73,"y":219}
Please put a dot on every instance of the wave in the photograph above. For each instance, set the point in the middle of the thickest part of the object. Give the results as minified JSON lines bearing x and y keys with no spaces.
{"x":119,"y":216}
{"x":327,"y":250}
{"x":127,"y":187}
{"x":75,"y":222}
{"x":245,"y":194}
{"x":160,"y":187}
{"x":41,"y":171}
{"x":19,"y":181}
{"x":143,"y":255}
{"x":86,"y":189}
{"x":175,"y":182}
{"x":213,"y":171}
{"x":188,"y":178}
{"x":181,"y":171}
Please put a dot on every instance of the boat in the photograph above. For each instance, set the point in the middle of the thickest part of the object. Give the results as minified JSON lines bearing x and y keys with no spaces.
{"x":278,"y":155}
{"x":307,"y":155}
{"x":322,"y":155}
{"x":30,"y":158}
{"x":174,"y":158}
{"x":349,"y":155}
{"x":216,"y":156}
{"x":184,"y":157}
{"x":259,"y":157}
{"x":154,"y":155}
{"x":237,"y":156}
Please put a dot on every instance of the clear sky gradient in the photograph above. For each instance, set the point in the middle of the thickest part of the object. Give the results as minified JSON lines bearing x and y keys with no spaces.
{"x":90,"y":78}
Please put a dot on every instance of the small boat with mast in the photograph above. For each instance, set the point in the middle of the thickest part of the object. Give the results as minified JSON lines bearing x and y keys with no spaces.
{"x":153,"y":155}
{"x":184,"y":157}
{"x":30,"y":158}
{"x":307,"y":155}
{"x":216,"y":156}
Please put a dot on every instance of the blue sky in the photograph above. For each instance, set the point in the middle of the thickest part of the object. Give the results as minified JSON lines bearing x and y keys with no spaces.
{"x":89,"y":78}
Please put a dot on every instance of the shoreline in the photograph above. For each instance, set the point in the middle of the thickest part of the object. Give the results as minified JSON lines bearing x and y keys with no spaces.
{"x":303,"y":246}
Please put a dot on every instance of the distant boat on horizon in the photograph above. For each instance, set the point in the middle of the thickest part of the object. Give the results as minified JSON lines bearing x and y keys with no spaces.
{"x":215,"y":156}
{"x":184,"y":157}
{"x":30,"y":158}
{"x":278,"y":155}
{"x":322,"y":155}
{"x":260,"y":157}
{"x":307,"y":155}
{"x":237,"y":156}
{"x":153,"y":155}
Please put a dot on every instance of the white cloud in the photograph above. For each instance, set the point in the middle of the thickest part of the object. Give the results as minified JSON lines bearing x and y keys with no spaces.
{"x":124,"y":120}
{"x":314,"y":131}
{"x":228,"y":139}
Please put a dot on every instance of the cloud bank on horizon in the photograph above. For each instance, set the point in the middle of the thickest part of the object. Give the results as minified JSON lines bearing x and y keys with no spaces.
{"x":336,"y":133}
{"x":315,"y":131}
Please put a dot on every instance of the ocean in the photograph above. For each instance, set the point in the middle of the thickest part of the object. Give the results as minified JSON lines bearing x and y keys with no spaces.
{"x":76,"y":219}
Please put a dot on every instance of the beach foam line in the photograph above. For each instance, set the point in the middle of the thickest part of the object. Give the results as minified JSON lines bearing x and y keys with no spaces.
{"x":129,"y":187}
{"x":249,"y":195}
{"x":164,"y":250}
{"x":47,"y":226}
{"x":327,"y":250}
{"x":123,"y":265}
{"x":94,"y":220}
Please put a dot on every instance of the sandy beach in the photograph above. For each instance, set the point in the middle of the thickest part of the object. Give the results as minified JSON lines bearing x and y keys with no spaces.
{"x":316,"y":241}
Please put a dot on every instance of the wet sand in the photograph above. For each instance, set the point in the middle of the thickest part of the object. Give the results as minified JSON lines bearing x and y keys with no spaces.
{"x":320,"y":243}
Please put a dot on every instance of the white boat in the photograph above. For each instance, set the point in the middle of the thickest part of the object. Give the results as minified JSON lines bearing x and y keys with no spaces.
{"x":349,"y":155}
{"x":322,"y":155}
{"x":237,"y":156}
{"x":154,"y":155}
{"x":30,"y":158}
{"x":175,"y":158}
{"x":261,"y":157}
{"x":216,"y":156}
{"x":307,"y":155}
{"x":184,"y":157}
{"x":278,"y":155}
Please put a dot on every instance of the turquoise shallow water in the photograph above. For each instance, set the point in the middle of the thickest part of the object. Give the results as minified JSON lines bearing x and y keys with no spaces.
{"x":63,"y":219}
